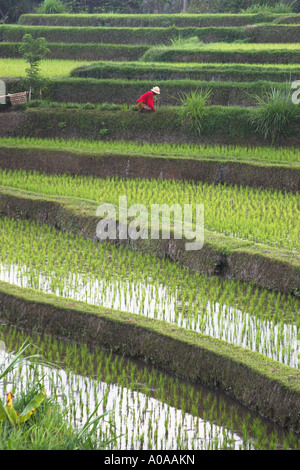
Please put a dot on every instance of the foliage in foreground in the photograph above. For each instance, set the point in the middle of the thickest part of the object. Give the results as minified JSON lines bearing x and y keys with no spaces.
{"x":151,"y":410}
{"x":266,"y":154}
{"x":24,"y":427}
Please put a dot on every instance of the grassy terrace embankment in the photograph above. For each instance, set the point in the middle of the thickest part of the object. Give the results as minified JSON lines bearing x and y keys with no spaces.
{"x":226,"y":53}
{"x":58,"y":68}
{"x":242,"y":260}
{"x":165,"y":125}
{"x":264,"y":33}
{"x":184,"y":71}
{"x":262,"y":384}
{"x":123,"y":91}
{"x":266,"y":155}
{"x":126,"y":35}
{"x":155,"y":20}
{"x":272,"y":168}
{"x":209,"y":53}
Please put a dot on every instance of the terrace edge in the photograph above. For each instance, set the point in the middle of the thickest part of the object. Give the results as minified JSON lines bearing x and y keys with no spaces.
{"x":235,"y":259}
{"x":261,"y":384}
{"x":276,"y":176}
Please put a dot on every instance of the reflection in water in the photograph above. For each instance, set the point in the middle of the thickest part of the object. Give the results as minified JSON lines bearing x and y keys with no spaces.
{"x":140,"y":420}
{"x":278,"y":341}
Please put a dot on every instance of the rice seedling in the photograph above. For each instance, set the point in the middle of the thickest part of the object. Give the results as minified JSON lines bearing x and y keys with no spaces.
{"x":53,"y":262}
{"x":201,"y":419}
{"x":49,"y":68}
{"x":266,"y":217}
{"x":233,"y":47}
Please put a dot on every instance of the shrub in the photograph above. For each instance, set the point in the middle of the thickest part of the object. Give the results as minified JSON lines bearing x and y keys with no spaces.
{"x":51,"y":7}
{"x":194,"y":109}
{"x":34,"y":50}
{"x":276,"y":115}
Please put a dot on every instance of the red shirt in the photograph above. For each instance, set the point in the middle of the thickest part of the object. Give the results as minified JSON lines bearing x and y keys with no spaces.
{"x":147,"y":98}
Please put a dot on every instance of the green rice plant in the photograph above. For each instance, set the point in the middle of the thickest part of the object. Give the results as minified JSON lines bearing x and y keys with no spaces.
{"x":241,"y":47}
{"x":267,"y":217}
{"x":75,"y":268}
{"x":255,"y":47}
{"x":145,"y":20}
{"x":266,"y":154}
{"x":276,"y":114}
{"x":238,"y":52}
{"x":194,"y":71}
{"x":48,"y":67}
{"x":193,"y":110}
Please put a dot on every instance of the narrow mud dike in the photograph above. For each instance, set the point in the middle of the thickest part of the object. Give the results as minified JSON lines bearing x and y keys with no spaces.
{"x":266,"y":386}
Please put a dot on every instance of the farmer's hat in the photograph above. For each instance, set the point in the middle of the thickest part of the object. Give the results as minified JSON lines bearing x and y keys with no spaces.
{"x":156,"y":90}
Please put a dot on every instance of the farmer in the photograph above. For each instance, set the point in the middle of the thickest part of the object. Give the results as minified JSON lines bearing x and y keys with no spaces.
{"x":146,"y":101}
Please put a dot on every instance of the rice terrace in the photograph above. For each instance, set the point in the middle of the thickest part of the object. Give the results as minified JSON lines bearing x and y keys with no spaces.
{"x":150,"y":227}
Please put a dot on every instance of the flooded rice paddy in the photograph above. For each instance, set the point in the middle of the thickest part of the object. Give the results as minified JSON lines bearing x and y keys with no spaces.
{"x":39,"y":257}
{"x":147,"y":409}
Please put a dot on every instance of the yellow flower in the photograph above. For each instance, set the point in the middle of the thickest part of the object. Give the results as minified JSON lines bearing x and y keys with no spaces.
{"x":9,"y":400}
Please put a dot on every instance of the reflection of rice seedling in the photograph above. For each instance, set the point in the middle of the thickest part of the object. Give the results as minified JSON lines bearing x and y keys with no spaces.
{"x":221,"y":419}
{"x":241,"y":314}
